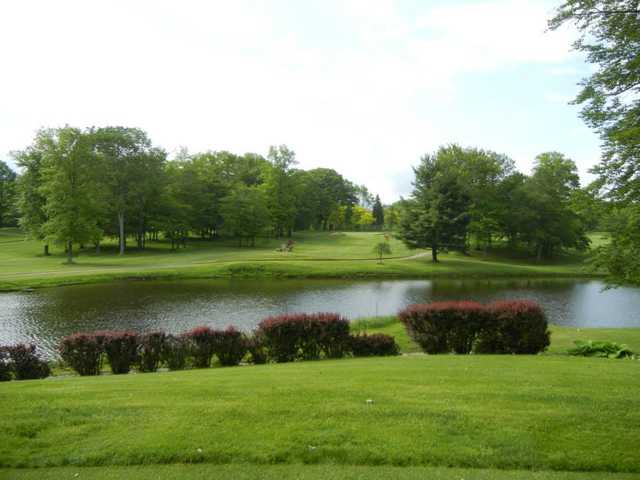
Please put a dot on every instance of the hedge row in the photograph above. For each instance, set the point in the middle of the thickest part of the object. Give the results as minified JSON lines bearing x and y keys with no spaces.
{"x":518,"y":327}
{"x":22,"y":363}
{"x":283,"y":338}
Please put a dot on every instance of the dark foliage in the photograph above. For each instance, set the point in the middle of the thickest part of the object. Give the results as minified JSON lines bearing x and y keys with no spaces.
{"x":305,"y":336}
{"x":202,"y":344}
{"x":517,"y":326}
{"x":121,"y":349}
{"x":376,"y":344}
{"x":82,"y":352}
{"x":150,"y":348}
{"x":257,"y":349}
{"x":230,"y":346}
{"x":463,"y":327}
{"x":175,"y":351}
{"x":5,"y":365}
{"x":26,"y":365}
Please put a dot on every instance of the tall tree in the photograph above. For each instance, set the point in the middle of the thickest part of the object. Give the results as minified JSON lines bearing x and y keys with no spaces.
{"x":610,"y":99}
{"x":70,"y":188}
{"x":131,"y":172}
{"x":280,"y":191}
{"x":31,"y":200}
{"x":245,"y":213}
{"x":378,"y":212}
{"x":7,"y":195}
{"x":437,"y":215}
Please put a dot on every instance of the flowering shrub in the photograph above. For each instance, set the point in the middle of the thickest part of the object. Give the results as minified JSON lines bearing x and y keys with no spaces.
{"x":376,"y":344}
{"x":202,"y":342}
{"x":461,"y":327}
{"x":305,"y":336}
{"x":121,"y":349}
{"x":175,"y":351}
{"x":150,"y":348}
{"x":230,"y":346}
{"x":25,"y":363}
{"x":82,"y":352}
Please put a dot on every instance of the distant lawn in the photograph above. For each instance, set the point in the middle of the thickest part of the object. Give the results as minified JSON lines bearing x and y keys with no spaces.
{"x":315,"y":255}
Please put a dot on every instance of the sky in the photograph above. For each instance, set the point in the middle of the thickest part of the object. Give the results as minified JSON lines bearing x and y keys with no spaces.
{"x":362,"y":86}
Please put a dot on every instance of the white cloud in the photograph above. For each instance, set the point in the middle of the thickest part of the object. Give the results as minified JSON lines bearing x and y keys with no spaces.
{"x":241,"y":75}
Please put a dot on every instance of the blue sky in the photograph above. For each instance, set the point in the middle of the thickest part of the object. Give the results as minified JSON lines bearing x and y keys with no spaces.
{"x":362,"y":86}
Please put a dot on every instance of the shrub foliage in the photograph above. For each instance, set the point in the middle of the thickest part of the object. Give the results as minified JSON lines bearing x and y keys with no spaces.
{"x":25,"y":363}
{"x":230,"y":346}
{"x":202,"y":345}
{"x":518,"y":326}
{"x":376,"y":344}
{"x":121,"y":349}
{"x":150,"y":348}
{"x":82,"y":352}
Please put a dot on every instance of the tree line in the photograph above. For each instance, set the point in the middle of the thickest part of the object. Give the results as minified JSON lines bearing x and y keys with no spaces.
{"x":77,"y":187}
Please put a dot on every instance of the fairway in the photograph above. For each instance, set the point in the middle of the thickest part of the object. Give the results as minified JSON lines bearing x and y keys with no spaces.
{"x":315,"y":255}
{"x":521,"y":413}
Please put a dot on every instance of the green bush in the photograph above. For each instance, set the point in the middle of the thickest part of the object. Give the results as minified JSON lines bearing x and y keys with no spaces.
{"x":257,"y":350}
{"x":600,"y":349}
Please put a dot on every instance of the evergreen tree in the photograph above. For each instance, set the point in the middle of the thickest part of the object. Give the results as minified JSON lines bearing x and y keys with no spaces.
{"x":378,"y":212}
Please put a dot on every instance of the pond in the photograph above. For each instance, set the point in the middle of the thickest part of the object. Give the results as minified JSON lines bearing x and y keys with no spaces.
{"x":44,"y":316}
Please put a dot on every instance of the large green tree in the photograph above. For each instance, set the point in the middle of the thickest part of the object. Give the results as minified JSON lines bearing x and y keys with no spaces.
{"x":70,"y":188}
{"x":610,"y":100}
{"x":280,"y":189}
{"x":7,"y":195}
{"x":437,"y":215}
{"x":245,"y":213}
{"x":132,"y":172}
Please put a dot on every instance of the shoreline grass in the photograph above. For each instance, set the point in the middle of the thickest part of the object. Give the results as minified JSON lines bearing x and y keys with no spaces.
{"x":315,"y":255}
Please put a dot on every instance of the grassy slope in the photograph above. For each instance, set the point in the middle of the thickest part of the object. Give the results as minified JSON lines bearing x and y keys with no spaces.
{"x":530,"y":412}
{"x":315,"y":255}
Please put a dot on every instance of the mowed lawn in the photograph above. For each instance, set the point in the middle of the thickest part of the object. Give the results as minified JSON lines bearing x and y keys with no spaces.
{"x":320,"y":255}
{"x":546,"y":412}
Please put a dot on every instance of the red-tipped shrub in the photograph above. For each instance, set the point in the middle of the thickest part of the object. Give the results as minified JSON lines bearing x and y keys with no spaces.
{"x":257,"y":349}
{"x":230,"y":346}
{"x":203,"y":343}
{"x":376,"y":344}
{"x":305,"y":336}
{"x":444,"y":326}
{"x":82,"y":352}
{"x":121,"y":349}
{"x":25,"y":363}
{"x":150,"y":348}
{"x":518,"y":326}
{"x":175,"y":351}
{"x":5,"y":365}
{"x":334,"y":339}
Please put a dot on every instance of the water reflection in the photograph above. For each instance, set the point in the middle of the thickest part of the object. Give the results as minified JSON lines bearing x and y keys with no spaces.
{"x":44,"y":316}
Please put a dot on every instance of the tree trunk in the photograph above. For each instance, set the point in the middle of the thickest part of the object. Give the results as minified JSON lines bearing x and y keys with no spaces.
{"x":121,"y":231}
{"x":69,"y":252}
{"x":98,"y":247}
{"x":434,"y":253}
{"x":46,"y":250}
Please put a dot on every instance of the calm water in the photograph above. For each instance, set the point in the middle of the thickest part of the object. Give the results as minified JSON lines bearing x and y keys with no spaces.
{"x":44,"y":316}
